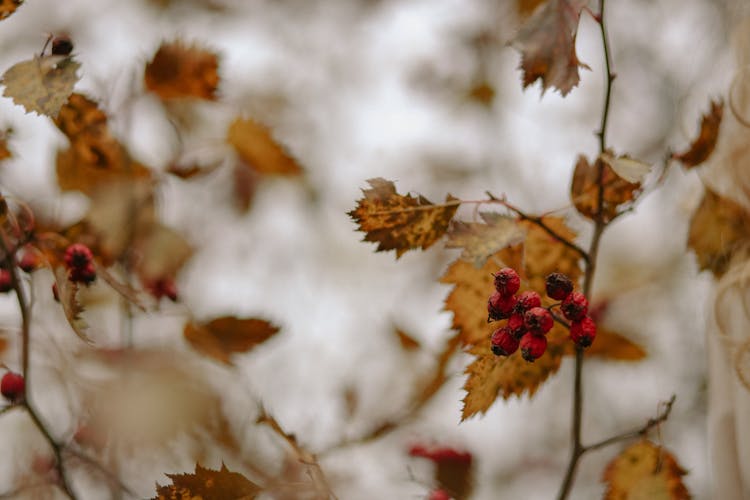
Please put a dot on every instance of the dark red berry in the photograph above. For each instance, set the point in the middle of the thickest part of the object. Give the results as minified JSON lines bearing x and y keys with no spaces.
{"x":29,"y":260}
{"x":504,"y":343}
{"x":533,"y":346}
{"x":6,"y":281}
{"x":516,"y":325}
{"x":558,"y":286}
{"x":527,"y":300}
{"x":78,"y":255}
{"x":85,"y":274}
{"x":500,"y":306}
{"x":440,"y":494}
{"x":507,"y":281}
{"x":62,"y":45}
{"x":583,"y":332}
{"x":575,"y":306}
{"x":538,"y":320}
{"x":12,"y":386}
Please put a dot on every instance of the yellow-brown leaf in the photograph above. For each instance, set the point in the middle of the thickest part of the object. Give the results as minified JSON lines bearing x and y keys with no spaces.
{"x":544,"y":254}
{"x":703,"y":145}
{"x":612,"y":345}
{"x":42,"y":84}
{"x":207,"y":484}
{"x":398,"y":222}
{"x":584,"y":190}
{"x":259,"y":150}
{"x":178,"y":70}
{"x":645,"y":471}
{"x":406,"y":341}
{"x":222,"y":337}
{"x":478,"y":241}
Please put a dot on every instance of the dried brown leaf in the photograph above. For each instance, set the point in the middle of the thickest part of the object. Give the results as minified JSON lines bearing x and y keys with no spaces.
{"x":584,"y":190}
{"x":703,"y":145}
{"x":645,"y":471}
{"x":259,"y":150}
{"x":547,"y":45}
{"x":42,"y":84}
{"x":8,"y":7}
{"x":207,"y":484}
{"x":718,"y":228}
{"x":4,"y":151}
{"x":67,"y":292}
{"x":481,"y":240}
{"x":179,"y":70}
{"x":222,"y":337}
{"x":612,"y":346}
{"x":398,"y":222}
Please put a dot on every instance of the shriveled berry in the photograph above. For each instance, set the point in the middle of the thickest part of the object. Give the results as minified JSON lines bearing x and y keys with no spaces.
{"x":527,"y":300}
{"x":62,"y":45}
{"x":12,"y":386}
{"x":85,"y":274}
{"x":538,"y":320}
{"x":558,"y":286}
{"x":516,"y":325}
{"x":583,"y":332}
{"x":6,"y":281}
{"x":507,"y":281}
{"x":77,"y":255}
{"x":575,"y":306}
{"x":533,"y":346}
{"x":500,"y":306}
{"x":504,"y":343}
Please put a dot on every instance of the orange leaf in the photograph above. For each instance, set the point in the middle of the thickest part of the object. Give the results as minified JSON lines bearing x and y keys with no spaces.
{"x":259,"y":150}
{"x":178,"y":70}
{"x":407,"y":342}
{"x":8,"y":7}
{"x":584,"y":190}
{"x":703,"y":145}
{"x":645,"y":471}
{"x":611,"y":345}
{"x":547,"y":45}
{"x":718,"y":227}
{"x":479,"y":241}
{"x":400,"y":222}
{"x":221,"y":337}
{"x":207,"y":484}
{"x":4,"y":151}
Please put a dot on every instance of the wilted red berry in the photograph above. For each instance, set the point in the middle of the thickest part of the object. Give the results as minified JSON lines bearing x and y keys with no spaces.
{"x":12,"y":386}
{"x":575,"y":306}
{"x":6,"y":281}
{"x":533,"y":346}
{"x":77,"y":255}
{"x":504,"y":343}
{"x":507,"y":281}
{"x":583,"y":332}
{"x":516,"y":325}
{"x":558,"y":286}
{"x":538,"y":320}
{"x":527,"y":300}
{"x":500,"y":306}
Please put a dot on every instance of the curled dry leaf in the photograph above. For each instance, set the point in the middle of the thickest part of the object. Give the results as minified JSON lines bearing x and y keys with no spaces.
{"x":8,"y":7}
{"x":259,"y":150}
{"x":645,"y":471}
{"x":481,"y":240}
{"x":179,"y":70}
{"x":208,"y":484}
{"x":222,"y":337}
{"x":42,"y":84}
{"x":398,"y":222}
{"x":67,"y":292}
{"x":547,"y":44}
{"x":627,"y":168}
{"x":703,"y":145}
{"x":584,"y":190}
{"x":718,"y":228}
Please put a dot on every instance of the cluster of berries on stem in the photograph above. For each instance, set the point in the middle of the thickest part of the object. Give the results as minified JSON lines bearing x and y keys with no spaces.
{"x":79,"y":261}
{"x":528,"y":322}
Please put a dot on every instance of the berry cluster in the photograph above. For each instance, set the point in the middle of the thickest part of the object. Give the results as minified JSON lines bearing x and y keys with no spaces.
{"x":528,"y":322}
{"x":80,"y":263}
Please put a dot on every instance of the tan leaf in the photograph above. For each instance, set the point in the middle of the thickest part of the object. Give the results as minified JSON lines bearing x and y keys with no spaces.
{"x":703,"y":145}
{"x":543,"y":254}
{"x":222,"y":337}
{"x":645,"y":471}
{"x":628,"y":168}
{"x":178,"y":70}
{"x":584,"y":190}
{"x":67,"y":292}
{"x":406,"y":341}
{"x":718,"y":227}
{"x":547,"y":45}
{"x":42,"y":84}
{"x":481,"y":240}
{"x":259,"y":150}
{"x":398,"y":222}
{"x":8,"y":7}
{"x":207,"y":484}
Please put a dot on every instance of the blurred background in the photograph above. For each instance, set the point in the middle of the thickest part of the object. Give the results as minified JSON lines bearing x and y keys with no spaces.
{"x":424,"y":93}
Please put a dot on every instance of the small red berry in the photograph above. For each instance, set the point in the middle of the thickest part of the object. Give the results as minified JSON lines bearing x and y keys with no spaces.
{"x":6,"y":281}
{"x":77,"y":255}
{"x":583,"y":332}
{"x":558,"y":286}
{"x":507,"y":281}
{"x":575,"y":306}
{"x":55,"y":292}
{"x":528,"y":300}
{"x":533,"y":346}
{"x":12,"y":386}
{"x":500,"y":306}
{"x":504,"y":343}
{"x":62,"y":45}
{"x":29,"y":260}
{"x":517,"y":325}
{"x":85,"y":274}
{"x":440,"y":494}
{"x":538,"y":320}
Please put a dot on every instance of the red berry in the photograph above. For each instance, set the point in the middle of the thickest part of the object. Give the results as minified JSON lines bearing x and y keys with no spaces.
{"x":583,"y":332}
{"x":77,"y":256}
{"x":29,"y":260}
{"x":62,"y":45}
{"x":500,"y":306}
{"x":164,"y":287}
{"x":527,"y":300}
{"x":440,"y":455}
{"x":85,"y":274}
{"x":538,"y":320}
{"x":533,"y":346}
{"x":558,"y":286}
{"x":575,"y":306}
{"x":439,"y":495}
{"x":12,"y":386}
{"x":6,"y":281}
{"x":504,"y":343}
{"x":507,"y":281}
{"x":516,"y":325}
